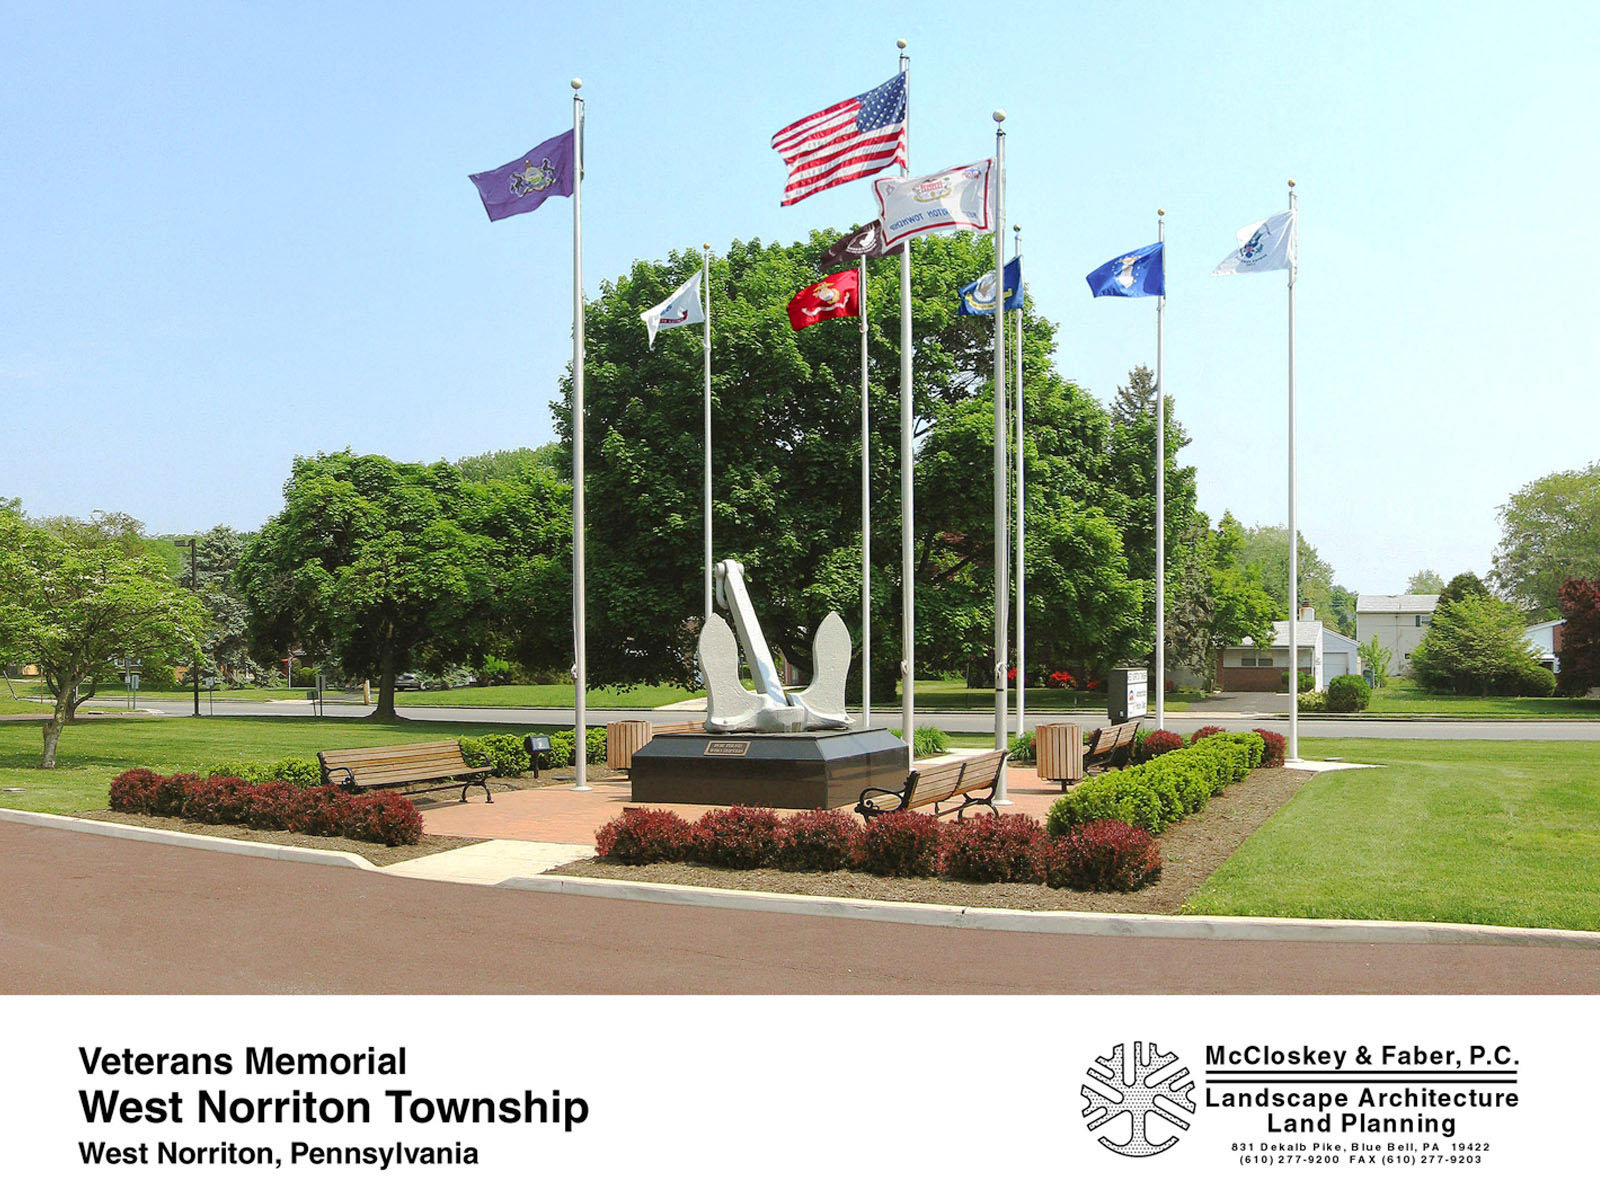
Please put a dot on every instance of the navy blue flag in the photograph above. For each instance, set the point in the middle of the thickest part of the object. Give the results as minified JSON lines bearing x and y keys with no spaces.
{"x":524,"y":184}
{"x":1140,"y":272}
{"x":977,"y":298}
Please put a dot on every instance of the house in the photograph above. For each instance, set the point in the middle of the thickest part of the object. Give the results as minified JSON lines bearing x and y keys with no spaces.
{"x":1545,"y":638}
{"x":1399,"y":623}
{"x":1324,"y":652}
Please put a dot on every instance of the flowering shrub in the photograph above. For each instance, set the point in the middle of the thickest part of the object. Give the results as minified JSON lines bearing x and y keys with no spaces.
{"x":1158,"y":742}
{"x":1204,"y":732}
{"x":1274,"y":747}
{"x":644,"y":835}
{"x":1011,"y":674}
{"x":824,"y":840}
{"x":386,"y":817}
{"x":736,"y":837}
{"x":1102,"y":856}
{"x":134,"y":791}
{"x":901,"y":843}
{"x":1060,"y":679}
{"x":1008,"y":849}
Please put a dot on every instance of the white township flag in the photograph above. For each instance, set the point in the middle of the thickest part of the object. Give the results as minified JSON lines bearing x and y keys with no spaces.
{"x":1265,"y":246}
{"x":960,"y":198}
{"x":680,"y":308}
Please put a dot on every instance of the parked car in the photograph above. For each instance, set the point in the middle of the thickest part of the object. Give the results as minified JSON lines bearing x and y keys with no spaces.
{"x":408,"y":681}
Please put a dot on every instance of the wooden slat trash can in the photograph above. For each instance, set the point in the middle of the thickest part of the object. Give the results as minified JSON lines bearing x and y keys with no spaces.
{"x":622,"y":739}
{"x":1058,"y":752}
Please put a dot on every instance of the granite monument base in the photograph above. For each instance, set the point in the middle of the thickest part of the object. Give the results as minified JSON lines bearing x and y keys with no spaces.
{"x":817,"y":769}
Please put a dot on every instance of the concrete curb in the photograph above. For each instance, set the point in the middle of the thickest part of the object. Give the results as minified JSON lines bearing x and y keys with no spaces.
{"x":1252,"y":929}
{"x":193,"y":841}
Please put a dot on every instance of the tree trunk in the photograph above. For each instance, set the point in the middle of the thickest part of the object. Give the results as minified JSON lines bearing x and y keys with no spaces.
{"x":386,"y":674}
{"x":59,"y":716}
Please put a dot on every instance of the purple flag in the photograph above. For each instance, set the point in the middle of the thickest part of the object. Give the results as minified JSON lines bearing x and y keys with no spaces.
{"x":521,"y":186}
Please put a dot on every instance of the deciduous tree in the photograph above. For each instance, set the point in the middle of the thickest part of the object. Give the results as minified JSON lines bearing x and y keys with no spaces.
{"x":1549,"y":533}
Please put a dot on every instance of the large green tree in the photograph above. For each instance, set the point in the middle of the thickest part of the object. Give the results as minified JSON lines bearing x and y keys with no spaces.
{"x":1425,"y":583}
{"x":1215,"y":599}
{"x":786,"y":460}
{"x":1267,"y":548}
{"x":388,"y":565}
{"x":1476,"y":646}
{"x":74,"y":595}
{"x":1549,"y":533}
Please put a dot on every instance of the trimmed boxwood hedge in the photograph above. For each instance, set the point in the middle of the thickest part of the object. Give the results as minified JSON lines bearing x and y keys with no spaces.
{"x":1165,"y":789}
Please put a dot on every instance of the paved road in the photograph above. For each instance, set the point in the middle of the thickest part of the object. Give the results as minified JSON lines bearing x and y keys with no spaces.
{"x":103,"y":915}
{"x":953,"y":722}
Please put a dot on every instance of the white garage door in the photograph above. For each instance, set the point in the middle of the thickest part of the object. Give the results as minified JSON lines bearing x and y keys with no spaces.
{"x":1336,"y":664}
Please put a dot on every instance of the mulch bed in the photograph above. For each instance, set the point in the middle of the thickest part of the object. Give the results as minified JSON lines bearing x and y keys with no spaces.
{"x":381,"y":856}
{"x":1191,"y":851}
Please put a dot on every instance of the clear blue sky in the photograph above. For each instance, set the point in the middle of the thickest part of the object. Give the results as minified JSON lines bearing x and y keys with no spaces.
{"x":236,"y":233}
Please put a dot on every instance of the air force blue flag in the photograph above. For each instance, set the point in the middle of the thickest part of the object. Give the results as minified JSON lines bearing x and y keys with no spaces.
{"x":1140,"y":272}
{"x":977,"y":298}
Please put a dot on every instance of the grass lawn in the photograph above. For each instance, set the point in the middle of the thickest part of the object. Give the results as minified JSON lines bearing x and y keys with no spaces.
{"x":1495,"y":833}
{"x":953,"y":694}
{"x":1403,"y":696}
{"x":543,"y":695}
{"x":94,"y":752}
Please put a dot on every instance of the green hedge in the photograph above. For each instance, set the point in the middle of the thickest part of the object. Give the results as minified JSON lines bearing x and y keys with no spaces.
{"x":1163,"y":790}
{"x":302,"y":772}
{"x":502,"y":753}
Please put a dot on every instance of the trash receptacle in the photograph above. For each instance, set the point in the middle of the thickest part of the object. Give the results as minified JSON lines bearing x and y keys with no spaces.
{"x":1058,"y":752}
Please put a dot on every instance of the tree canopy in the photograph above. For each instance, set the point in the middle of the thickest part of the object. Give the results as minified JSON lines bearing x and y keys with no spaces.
{"x":1549,"y":533}
{"x":1476,"y":646}
{"x":1425,"y":583}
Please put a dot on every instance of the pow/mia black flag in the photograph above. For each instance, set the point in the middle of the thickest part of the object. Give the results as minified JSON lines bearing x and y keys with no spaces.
{"x":866,"y":242}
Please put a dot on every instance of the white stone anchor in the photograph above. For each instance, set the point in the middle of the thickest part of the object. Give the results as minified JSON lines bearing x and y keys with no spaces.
{"x":733,"y":708}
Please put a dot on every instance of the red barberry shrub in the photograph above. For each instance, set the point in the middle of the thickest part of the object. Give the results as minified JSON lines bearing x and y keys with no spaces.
{"x":134,"y":791}
{"x":990,"y":849}
{"x":386,"y":817}
{"x":1102,"y":856}
{"x":1276,"y":746}
{"x":644,"y":835}
{"x":1158,"y":742}
{"x":1204,"y":732}
{"x":736,"y":837}
{"x":219,"y":800}
{"x":823,"y":840}
{"x":901,"y":843}
{"x":172,"y":794}
{"x":271,"y":805}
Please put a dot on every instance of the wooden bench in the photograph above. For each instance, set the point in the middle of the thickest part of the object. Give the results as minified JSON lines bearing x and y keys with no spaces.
{"x":387,"y":766}
{"x":1111,"y":746}
{"x":936,"y":784}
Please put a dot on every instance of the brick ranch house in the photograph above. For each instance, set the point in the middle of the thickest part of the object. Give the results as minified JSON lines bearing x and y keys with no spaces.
{"x":1325,"y":652}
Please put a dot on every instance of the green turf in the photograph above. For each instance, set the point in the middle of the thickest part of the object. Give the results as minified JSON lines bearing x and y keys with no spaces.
{"x":1404,"y":697}
{"x":1497,"y":833}
{"x":544,"y":695}
{"x":94,"y":751}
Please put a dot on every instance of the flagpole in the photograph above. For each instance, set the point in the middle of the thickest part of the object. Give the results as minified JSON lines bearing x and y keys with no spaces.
{"x":1002,"y":554}
{"x":1294,"y":533}
{"x":580,"y":667}
{"x":1022,"y":658}
{"x":705,"y":258}
{"x":1161,"y":489}
{"x":908,"y":646}
{"x":866,"y":511}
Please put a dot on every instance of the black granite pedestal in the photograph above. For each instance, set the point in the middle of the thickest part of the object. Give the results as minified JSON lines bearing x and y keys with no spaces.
{"x":824,"y":769}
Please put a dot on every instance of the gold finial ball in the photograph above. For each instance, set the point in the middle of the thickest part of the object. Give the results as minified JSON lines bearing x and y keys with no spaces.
{"x":999,"y":115}
{"x":576,"y":83}
{"x":1161,"y":212}
{"x":705,"y":245}
{"x":901,"y":42}
{"x":1016,"y":229}
{"x":1291,"y":183}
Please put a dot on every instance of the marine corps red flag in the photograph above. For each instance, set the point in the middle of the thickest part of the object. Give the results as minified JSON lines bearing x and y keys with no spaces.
{"x":836,"y":296}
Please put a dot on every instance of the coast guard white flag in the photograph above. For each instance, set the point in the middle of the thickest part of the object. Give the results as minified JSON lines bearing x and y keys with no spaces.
{"x":680,"y":308}
{"x":960,"y":198}
{"x":1265,"y":246}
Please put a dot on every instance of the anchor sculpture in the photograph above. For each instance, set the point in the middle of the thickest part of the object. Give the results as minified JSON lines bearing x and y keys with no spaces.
{"x":733,"y":708}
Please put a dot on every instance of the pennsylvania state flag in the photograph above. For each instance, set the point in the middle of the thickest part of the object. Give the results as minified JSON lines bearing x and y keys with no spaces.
{"x":1140,"y":272}
{"x":977,"y":298}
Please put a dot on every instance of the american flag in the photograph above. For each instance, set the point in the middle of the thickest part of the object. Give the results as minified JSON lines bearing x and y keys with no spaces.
{"x":848,"y":140}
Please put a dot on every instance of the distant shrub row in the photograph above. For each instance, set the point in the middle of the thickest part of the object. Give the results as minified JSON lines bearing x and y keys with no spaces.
{"x":1163,"y":789}
{"x":1101,"y":856}
{"x":385,"y":817}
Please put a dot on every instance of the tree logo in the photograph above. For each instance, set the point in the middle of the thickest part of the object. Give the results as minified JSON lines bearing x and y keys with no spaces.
{"x":1113,"y":1092}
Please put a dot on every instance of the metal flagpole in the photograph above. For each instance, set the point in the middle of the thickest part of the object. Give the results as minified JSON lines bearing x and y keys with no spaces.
{"x":705,"y":256}
{"x":580,"y":667}
{"x":1294,"y":533}
{"x":1161,"y":491}
{"x":866,"y":511}
{"x":908,"y":644}
{"x":1002,"y":552}
{"x":1022,"y":658}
